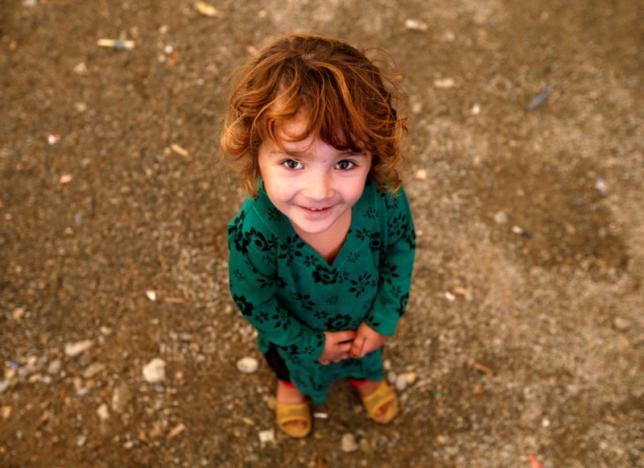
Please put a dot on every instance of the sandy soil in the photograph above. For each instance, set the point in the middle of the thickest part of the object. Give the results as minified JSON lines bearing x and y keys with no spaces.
{"x":524,"y":329}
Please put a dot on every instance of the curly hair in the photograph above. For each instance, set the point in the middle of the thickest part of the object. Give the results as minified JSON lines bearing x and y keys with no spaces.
{"x":341,"y":91}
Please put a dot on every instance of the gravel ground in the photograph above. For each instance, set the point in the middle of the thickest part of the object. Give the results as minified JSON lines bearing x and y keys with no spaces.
{"x":522,"y":345}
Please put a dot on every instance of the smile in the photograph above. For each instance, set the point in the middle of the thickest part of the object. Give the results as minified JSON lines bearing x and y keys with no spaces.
{"x":316,"y":211}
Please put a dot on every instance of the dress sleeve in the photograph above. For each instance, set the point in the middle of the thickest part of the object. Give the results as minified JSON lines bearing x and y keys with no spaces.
{"x":396,"y":264}
{"x":254,"y":280}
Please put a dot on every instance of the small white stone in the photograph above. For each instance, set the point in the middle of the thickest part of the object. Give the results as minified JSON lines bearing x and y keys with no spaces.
{"x":601,"y":186}
{"x":421,"y":174}
{"x":106,"y":331}
{"x":154,"y":371}
{"x":349,"y":443}
{"x":387,"y":364}
{"x":410,"y":377}
{"x":93,"y":369}
{"x":450,"y":297}
{"x":4,"y":384}
{"x":415,"y":25}
{"x":545,"y":422}
{"x":401,"y":382}
{"x":103,"y":412}
{"x":444,"y":83}
{"x":517,"y":230}
{"x":54,"y":367}
{"x":80,"y":69}
{"x":168,"y":49}
{"x":621,"y":324}
{"x":151,"y":295}
{"x":476,"y":109}
{"x":416,"y":107}
{"x":80,"y":440}
{"x":247,"y":365}
{"x":320,"y":415}
{"x":121,"y":397}
{"x":267,"y":436}
{"x":391,"y":377}
{"x":501,"y":217}
{"x":18,"y":313}
{"x":74,"y":349}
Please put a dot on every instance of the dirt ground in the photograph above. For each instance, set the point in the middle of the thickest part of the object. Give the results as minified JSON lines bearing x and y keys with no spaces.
{"x":524,"y":328}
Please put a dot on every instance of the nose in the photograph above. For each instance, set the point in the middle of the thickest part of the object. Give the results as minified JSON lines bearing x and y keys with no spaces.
{"x":319,"y":185}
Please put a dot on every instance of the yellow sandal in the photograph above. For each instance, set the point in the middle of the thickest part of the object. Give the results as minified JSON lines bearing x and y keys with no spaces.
{"x":382,"y":395}
{"x":291,"y":412}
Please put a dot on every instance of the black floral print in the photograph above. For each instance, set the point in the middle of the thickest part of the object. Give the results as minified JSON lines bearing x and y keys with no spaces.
{"x":338,"y":322}
{"x":325,"y":275}
{"x":361,"y":283}
{"x":245,"y":307}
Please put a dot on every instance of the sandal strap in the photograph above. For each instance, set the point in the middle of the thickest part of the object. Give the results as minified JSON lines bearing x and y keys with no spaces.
{"x":382,"y":395}
{"x":291,"y":412}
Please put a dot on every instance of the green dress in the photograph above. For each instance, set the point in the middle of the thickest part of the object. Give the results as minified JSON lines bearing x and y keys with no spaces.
{"x":291,"y":294}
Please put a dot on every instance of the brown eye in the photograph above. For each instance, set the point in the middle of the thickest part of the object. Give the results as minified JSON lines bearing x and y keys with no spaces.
{"x":345,"y":165}
{"x":291,"y":164}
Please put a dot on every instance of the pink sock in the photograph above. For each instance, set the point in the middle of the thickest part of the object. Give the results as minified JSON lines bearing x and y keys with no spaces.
{"x":357,"y":383}
{"x":287,"y":384}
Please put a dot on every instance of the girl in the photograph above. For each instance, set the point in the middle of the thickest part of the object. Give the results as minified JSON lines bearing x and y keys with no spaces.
{"x":321,"y":256}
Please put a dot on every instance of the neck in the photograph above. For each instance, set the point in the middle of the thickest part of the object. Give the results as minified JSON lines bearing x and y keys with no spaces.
{"x":329,"y":242}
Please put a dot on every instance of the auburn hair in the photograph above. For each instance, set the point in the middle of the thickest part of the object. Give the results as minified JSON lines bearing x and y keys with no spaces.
{"x":342,"y":93}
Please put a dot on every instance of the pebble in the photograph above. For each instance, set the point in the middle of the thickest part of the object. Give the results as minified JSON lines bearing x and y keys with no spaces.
{"x":4,"y":384}
{"x":415,"y":25}
{"x":421,"y":174}
{"x":401,"y":382}
{"x":151,"y":295}
{"x":80,"y":440}
{"x":103,"y":412}
{"x":267,"y":436}
{"x":601,"y":186}
{"x":450,"y":297}
{"x":54,"y":367}
{"x":476,"y":109}
{"x":5,"y":411}
{"x":621,"y":324}
{"x":247,"y":365}
{"x":154,"y":371}
{"x":18,"y":313}
{"x":74,"y":349}
{"x":501,"y":217}
{"x":349,"y":443}
{"x":176,"y":430}
{"x":444,"y":83}
{"x":93,"y":369}
{"x":518,"y":230}
{"x":391,"y":377}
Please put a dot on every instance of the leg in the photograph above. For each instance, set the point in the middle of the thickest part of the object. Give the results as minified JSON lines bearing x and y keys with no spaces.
{"x":291,"y":407}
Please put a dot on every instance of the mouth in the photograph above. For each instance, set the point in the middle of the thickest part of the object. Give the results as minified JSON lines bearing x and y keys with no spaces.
{"x":316,"y":211}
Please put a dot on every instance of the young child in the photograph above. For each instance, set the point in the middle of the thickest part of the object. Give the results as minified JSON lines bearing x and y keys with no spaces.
{"x":321,"y":256}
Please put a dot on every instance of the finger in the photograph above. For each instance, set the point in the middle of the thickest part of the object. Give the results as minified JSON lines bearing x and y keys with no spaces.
{"x":345,"y":335}
{"x":324,"y":362}
{"x":358,"y":346}
{"x":344,"y":349}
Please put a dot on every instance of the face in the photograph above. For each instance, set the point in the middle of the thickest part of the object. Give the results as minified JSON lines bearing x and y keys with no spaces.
{"x":312,"y":183}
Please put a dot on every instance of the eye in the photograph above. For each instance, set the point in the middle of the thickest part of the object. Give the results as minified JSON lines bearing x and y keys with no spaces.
{"x":291,"y":164}
{"x":345,"y":165}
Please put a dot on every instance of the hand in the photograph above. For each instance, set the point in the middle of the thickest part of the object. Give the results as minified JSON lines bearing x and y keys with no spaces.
{"x":366,"y":341}
{"x":336,"y":346}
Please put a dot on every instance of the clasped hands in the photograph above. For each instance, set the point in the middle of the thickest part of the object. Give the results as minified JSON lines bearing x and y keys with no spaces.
{"x":345,"y":344}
